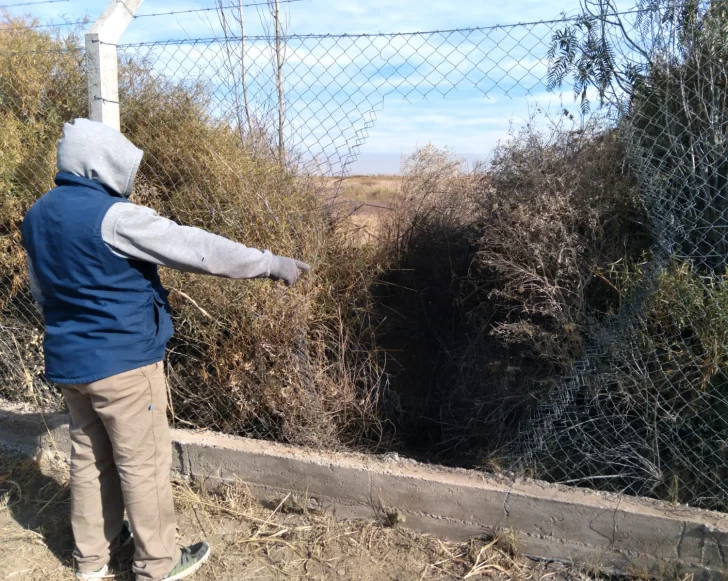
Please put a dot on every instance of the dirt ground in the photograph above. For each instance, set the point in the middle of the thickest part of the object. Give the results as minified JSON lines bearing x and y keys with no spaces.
{"x":285,"y":540}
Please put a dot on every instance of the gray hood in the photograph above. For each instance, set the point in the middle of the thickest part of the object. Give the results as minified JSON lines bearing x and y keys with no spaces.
{"x":97,"y":152}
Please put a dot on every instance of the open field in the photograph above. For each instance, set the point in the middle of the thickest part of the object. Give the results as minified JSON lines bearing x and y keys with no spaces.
{"x":365,"y":199}
{"x":374,"y":189}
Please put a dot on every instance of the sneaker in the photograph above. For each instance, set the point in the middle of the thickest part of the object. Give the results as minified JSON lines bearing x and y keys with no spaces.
{"x":190,"y":561}
{"x":125,"y":539}
{"x":100,"y":574}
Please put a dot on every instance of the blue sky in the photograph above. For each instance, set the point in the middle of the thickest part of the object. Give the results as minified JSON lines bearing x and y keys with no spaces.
{"x":344,"y":93}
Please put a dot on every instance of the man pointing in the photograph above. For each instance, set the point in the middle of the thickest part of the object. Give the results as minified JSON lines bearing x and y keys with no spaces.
{"x":92,"y":261}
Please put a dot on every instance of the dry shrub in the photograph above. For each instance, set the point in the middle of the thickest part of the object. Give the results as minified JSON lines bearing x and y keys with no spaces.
{"x":650,"y":413}
{"x":248,"y":358}
{"x":558,"y":210}
{"x":498,"y":274}
{"x":479,"y":285}
{"x":39,"y":89}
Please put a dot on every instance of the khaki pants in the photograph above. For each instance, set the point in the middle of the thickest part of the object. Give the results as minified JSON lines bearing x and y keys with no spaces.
{"x":122,"y":454}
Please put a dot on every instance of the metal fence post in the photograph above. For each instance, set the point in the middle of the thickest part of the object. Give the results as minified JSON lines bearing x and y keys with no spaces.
{"x":102,"y":64}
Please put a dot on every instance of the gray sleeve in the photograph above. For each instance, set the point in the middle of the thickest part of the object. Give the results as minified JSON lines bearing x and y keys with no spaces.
{"x":139,"y":233}
{"x":35,"y":286}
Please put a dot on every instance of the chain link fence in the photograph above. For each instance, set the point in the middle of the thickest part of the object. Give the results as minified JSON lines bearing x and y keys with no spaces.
{"x":250,"y":136}
{"x":332,"y":86}
{"x":644,"y":411}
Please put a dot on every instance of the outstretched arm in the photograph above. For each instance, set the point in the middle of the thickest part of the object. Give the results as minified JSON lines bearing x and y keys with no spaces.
{"x":139,"y":233}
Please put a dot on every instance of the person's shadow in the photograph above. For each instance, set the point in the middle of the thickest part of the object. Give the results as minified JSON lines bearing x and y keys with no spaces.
{"x":36,"y":490}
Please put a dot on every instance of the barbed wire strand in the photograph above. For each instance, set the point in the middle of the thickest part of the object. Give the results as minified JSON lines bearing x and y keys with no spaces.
{"x":47,"y":25}
{"x":151,"y":15}
{"x":213,"y":8}
{"x":563,"y":19}
{"x":466,"y":30}
{"x":33,"y":3}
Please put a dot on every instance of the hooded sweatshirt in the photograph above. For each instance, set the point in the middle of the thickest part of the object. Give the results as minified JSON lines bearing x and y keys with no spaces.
{"x":93,"y":257}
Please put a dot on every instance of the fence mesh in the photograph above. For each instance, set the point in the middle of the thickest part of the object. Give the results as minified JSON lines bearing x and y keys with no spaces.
{"x":645,"y":407}
{"x":644,"y":411}
{"x":334,"y":85}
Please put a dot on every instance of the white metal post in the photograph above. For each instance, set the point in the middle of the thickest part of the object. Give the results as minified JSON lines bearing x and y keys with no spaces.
{"x":102,"y":64}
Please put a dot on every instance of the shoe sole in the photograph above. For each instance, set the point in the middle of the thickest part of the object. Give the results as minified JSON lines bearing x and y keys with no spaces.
{"x":192,"y":570}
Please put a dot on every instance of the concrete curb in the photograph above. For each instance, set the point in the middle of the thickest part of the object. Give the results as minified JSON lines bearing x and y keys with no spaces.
{"x":619,"y":534}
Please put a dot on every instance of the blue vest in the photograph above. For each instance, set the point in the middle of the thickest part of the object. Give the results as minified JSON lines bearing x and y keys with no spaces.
{"x":103,"y":314}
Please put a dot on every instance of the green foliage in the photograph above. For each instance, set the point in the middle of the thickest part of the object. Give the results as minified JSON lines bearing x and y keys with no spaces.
{"x":617,"y":53}
{"x":685,"y":332}
{"x":579,"y":49}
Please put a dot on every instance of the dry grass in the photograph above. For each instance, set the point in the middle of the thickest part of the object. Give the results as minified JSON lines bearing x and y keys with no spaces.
{"x":288,"y":539}
{"x":374,"y":189}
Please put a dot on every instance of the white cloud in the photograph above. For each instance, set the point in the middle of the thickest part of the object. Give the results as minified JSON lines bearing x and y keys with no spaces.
{"x":338,"y":86}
